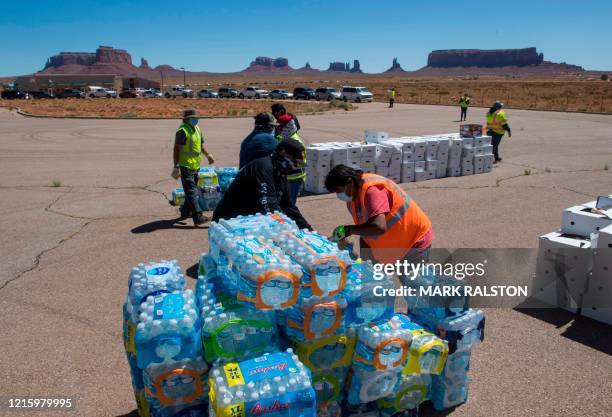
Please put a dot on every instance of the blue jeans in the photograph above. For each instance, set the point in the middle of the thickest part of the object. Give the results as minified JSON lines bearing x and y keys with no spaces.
{"x":295,"y":187}
{"x":189,"y":179}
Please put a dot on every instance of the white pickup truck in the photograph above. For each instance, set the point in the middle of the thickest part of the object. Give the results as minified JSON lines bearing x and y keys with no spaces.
{"x":253,"y":91}
{"x":101,"y":92}
{"x":179,"y":91}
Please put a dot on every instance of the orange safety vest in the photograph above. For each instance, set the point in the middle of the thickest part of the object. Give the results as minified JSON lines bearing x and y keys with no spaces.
{"x":407,"y":224}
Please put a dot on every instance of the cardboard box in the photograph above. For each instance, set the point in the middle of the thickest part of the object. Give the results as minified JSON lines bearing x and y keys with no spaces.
{"x":431,"y":174}
{"x":408,"y":157}
{"x":441,"y":171}
{"x":420,"y":176}
{"x":407,"y":145}
{"x":456,"y":143}
{"x":454,"y":163}
{"x":431,"y":165}
{"x":419,"y":156}
{"x":468,"y":153}
{"x":443,"y":145}
{"x":420,"y":147}
{"x":488,"y":149}
{"x":384,"y":171}
{"x":467,"y":161}
{"x":455,"y":152}
{"x":486,"y":140}
{"x":419,"y":166}
{"x":562,"y":270}
{"x":579,"y":220}
{"x":467,"y":143}
{"x":407,"y":172}
{"x":368,"y":150}
{"x":371,"y":136}
{"x":479,"y":170}
{"x":453,"y":171}
{"x":478,"y":142}
{"x":479,"y":151}
{"x":597,"y":302}
{"x":478,"y":163}
{"x":396,"y":178}
{"x":470,"y":130}
{"x":467,"y":169}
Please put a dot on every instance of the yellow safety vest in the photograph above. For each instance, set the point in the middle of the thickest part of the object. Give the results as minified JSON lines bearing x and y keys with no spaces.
{"x":300,"y":173}
{"x":464,"y":102}
{"x":496,"y":121}
{"x":191,"y":152}
{"x":392,"y":94}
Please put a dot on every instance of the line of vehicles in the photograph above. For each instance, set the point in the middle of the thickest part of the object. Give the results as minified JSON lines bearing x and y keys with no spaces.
{"x":346,"y":93}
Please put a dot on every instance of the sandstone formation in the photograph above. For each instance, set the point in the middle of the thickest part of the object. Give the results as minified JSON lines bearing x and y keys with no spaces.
{"x":345,"y":66}
{"x":264,"y":63}
{"x":493,"y":58}
{"x":144,"y":64}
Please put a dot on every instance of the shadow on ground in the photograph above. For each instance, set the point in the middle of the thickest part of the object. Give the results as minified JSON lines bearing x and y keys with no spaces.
{"x":192,"y":271}
{"x":581,"y":329}
{"x":156,"y":225}
{"x":133,"y":413}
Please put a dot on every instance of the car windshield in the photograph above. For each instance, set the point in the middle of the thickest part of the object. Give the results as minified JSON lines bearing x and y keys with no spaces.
{"x":331,"y":90}
{"x":362,"y":89}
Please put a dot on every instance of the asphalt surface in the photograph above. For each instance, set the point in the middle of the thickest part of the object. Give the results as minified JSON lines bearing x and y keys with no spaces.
{"x":67,"y":249}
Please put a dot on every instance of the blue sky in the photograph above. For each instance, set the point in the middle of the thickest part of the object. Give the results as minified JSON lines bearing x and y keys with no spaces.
{"x":226,"y":35}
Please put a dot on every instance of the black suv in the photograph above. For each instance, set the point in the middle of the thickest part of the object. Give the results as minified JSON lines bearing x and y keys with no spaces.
{"x":71,"y":93}
{"x":225,"y":92}
{"x":14,"y":94}
{"x":303,"y":93}
{"x":41,"y":94}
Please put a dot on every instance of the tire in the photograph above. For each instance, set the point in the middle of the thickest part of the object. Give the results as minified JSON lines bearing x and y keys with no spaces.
{"x":344,"y":99}
{"x":167,"y":95}
{"x":358,"y":100}
{"x":257,"y":96}
{"x":184,"y":95}
{"x":92,"y":96}
{"x":241,"y":96}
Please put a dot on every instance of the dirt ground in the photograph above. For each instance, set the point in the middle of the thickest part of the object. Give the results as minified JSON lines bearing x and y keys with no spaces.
{"x":82,"y":201}
{"x":134,"y":108}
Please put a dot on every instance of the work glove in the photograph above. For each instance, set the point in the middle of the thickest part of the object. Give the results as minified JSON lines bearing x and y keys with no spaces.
{"x":176,"y":173}
{"x":339,"y":234}
{"x":210,"y":158}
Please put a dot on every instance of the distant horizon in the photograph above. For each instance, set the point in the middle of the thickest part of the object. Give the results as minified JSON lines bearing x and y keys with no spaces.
{"x":226,"y":37}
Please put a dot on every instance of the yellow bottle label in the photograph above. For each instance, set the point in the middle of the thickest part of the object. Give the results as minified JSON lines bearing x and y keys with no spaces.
{"x":233,"y":374}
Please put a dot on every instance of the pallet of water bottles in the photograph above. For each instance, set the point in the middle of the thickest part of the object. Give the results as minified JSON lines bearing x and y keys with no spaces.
{"x":212,"y":182}
{"x":283,"y":321}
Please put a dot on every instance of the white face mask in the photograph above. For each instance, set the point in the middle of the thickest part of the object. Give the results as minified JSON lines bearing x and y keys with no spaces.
{"x":344,"y":197}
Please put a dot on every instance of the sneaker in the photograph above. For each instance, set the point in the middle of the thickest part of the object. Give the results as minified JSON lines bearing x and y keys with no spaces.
{"x":200,"y":219}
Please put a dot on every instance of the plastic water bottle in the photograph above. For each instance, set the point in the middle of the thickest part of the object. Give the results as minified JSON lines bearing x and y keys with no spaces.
{"x":175,"y":385}
{"x":427,"y":353}
{"x":276,"y":382}
{"x":316,"y":317}
{"x":430,"y":309}
{"x":384,"y":346}
{"x":369,"y":386}
{"x":323,"y":263}
{"x":367,"y":301}
{"x":330,"y":352}
{"x":226,"y":176}
{"x":168,"y":328}
{"x":413,"y":390}
{"x":451,"y":387}
{"x":154,"y":278}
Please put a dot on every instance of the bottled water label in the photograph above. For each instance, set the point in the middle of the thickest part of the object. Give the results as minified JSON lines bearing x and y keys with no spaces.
{"x":176,"y":383}
{"x":316,"y":317}
{"x":274,"y":383}
{"x":178,"y":197}
{"x":329,"y":352}
{"x":386,"y":345}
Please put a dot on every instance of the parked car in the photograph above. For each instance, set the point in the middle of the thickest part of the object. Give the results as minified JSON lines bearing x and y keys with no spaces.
{"x":327,"y":93}
{"x":179,"y":91}
{"x":129,"y":94}
{"x":102,"y":92}
{"x":280,"y":94}
{"x":14,"y":95}
{"x":303,"y":93}
{"x":226,"y":92}
{"x":152,"y":93}
{"x":41,"y":94}
{"x":253,"y":91}
{"x":207,"y":94}
{"x":71,"y":93}
{"x":356,"y":94}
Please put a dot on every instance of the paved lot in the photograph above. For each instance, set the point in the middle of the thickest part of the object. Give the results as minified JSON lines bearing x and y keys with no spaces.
{"x":67,"y":250}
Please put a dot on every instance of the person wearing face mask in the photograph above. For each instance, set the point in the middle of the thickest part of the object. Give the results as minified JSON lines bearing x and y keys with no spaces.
{"x":261,"y":186}
{"x":287,"y":129}
{"x":188,"y":150}
{"x":390,"y":224}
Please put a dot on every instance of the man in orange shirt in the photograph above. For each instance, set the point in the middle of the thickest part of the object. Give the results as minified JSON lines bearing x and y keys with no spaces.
{"x":391,"y":225}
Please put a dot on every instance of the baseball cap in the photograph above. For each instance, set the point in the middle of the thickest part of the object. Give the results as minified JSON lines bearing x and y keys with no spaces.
{"x":265,"y":118}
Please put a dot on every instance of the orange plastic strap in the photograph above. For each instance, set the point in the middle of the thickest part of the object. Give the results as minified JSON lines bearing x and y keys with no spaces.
{"x":381,"y":346}
{"x":167,"y":401}
{"x":308,"y":335}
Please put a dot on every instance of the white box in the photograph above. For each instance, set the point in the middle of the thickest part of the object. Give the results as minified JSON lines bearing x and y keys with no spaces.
{"x":467,"y":169}
{"x":442,"y":156}
{"x":420,"y":147}
{"x":354,"y":164}
{"x":478,"y":142}
{"x":562,"y":270}
{"x":431,"y":156}
{"x":420,"y":176}
{"x":407,"y":145}
{"x":467,"y":143}
{"x":407,"y":173}
{"x":456,"y":143}
{"x":597,"y":302}
{"x":368,"y":149}
{"x":431,"y":174}
{"x":468,"y":153}
{"x":384,"y":171}
{"x":488,"y":149}
{"x":320,"y":154}
{"x":455,"y":152}
{"x":408,"y":157}
{"x":367,"y":162}
{"x":371,"y":136}
{"x":381,"y":162}
{"x":396,"y":178}
{"x":478,"y":163}
{"x":486,"y":140}
{"x":419,"y":156}
{"x":443,"y":145}
{"x":441,"y":172}
{"x":467,"y":161}
{"x":419,"y":166}
{"x":479,"y":151}
{"x":578,"y":220}
{"x":442,"y":163}
{"x":454,"y":163}
{"x":453,"y":171}
{"x":479,"y":170}
{"x":431,"y":165}
{"x":354,"y":152}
